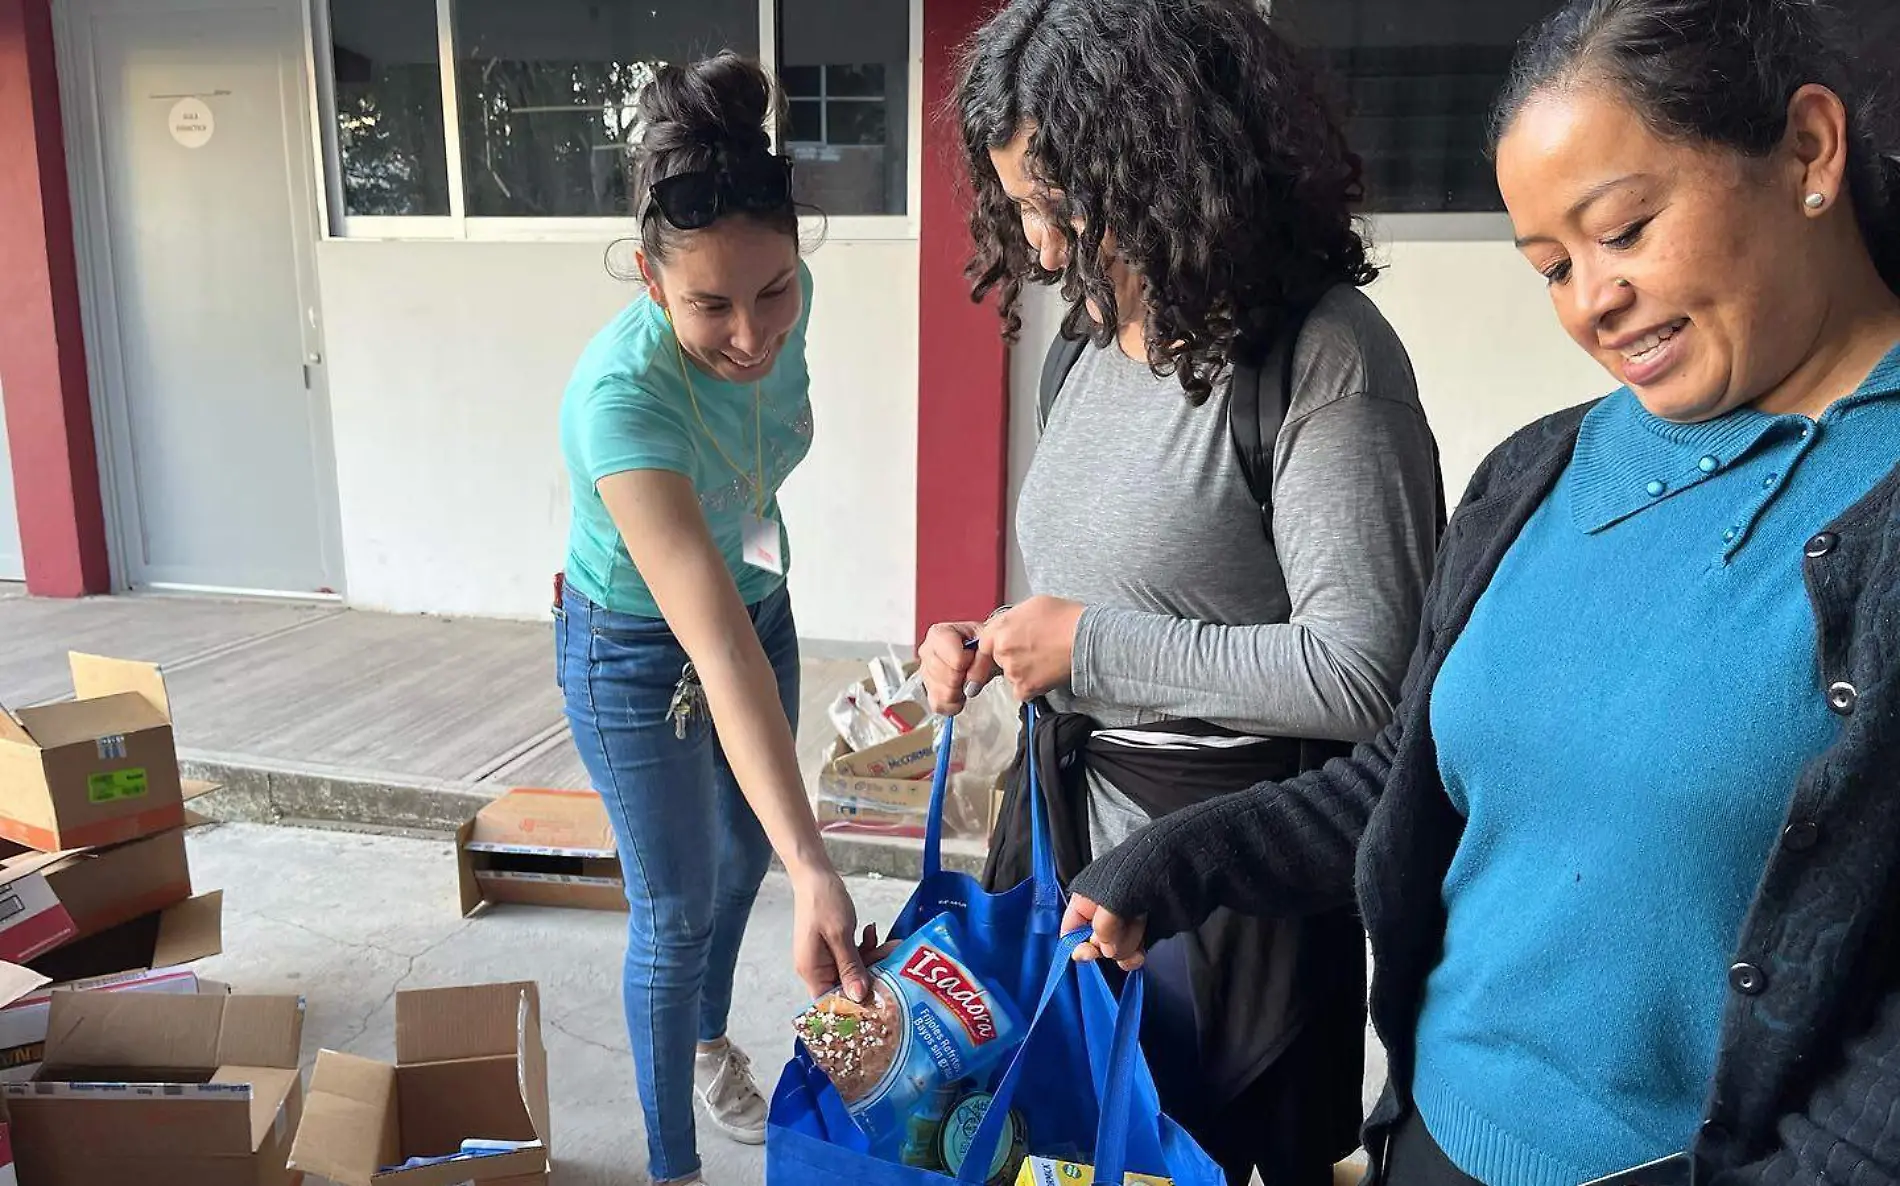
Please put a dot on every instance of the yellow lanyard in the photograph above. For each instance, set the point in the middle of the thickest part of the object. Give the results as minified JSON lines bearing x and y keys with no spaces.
{"x":758,"y":429}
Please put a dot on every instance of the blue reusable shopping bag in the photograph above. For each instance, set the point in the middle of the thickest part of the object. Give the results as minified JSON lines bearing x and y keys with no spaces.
{"x":1102,"y":1110}
{"x":1063,"y":1075}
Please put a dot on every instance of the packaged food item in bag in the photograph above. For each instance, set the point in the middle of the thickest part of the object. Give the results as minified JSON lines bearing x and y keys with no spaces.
{"x":928,"y":1025}
{"x":1047,"y":1171}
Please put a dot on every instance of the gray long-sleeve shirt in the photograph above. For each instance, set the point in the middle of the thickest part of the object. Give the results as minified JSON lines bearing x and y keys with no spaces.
{"x":1136,"y":506}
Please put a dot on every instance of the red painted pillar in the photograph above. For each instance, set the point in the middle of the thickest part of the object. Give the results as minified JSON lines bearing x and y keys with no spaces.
{"x":42,"y":348}
{"x":962,"y":365}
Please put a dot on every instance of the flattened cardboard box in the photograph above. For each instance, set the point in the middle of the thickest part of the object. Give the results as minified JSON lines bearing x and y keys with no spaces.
{"x":96,"y":770}
{"x":540,"y":847}
{"x":469,"y":1064}
{"x":163,"y":1090}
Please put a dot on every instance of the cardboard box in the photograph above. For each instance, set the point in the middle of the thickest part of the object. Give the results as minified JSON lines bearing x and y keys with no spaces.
{"x":23,"y":1021}
{"x":162,"y":1090}
{"x":914,"y":755}
{"x":96,"y":770}
{"x":47,"y":899}
{"x":469,"y":1064}
{"x":543,"y":848}
{"x":177,"y":935}
{"x":866,"y":804}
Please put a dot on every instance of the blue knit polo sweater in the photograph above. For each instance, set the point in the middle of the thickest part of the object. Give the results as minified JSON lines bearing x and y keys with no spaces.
{"x":1621,"y":724}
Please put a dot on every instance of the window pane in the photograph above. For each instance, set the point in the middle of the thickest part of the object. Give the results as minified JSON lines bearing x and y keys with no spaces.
{"x":862,"y":164}
{"x":806,"y":122}
{"x":802,"y":80}
{"x":547,"y":93}
{"x":392,"y":147}
{"x":1419,"y":80}
{"x":855,"y":81}
{"x":856,"y":122}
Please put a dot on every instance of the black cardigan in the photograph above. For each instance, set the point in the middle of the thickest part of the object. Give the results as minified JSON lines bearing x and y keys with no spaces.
{"x":1807,"y":1080}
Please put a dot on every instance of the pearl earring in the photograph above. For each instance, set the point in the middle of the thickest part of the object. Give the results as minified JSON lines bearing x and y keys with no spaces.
{"x":1816,"y":201}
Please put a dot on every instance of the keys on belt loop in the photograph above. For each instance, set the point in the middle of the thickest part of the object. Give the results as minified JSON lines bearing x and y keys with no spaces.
{"x":689,"y":701}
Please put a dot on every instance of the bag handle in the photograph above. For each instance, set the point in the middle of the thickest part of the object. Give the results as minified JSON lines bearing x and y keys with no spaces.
{"x":1113,"y":1098}
{"x":1042,"y":848}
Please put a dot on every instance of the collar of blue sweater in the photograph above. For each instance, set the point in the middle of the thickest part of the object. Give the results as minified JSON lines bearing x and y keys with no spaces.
{"x":1628,"y":459}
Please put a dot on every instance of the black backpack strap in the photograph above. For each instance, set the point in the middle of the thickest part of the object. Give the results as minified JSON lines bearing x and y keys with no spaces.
{"x":1063,"y":354}
{"x":1256,"y":411}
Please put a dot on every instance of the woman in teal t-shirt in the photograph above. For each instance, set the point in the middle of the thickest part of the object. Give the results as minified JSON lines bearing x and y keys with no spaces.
{"x":683,"y":417}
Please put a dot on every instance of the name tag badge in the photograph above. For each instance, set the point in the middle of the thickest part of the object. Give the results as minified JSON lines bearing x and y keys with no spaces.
{"x":764,"y":546}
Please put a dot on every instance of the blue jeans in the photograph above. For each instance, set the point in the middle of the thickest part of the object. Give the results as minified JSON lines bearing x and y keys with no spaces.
{"x":692,"y":851}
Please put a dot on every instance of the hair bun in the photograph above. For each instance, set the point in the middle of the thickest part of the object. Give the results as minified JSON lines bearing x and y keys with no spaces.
{"x":722,"y":102}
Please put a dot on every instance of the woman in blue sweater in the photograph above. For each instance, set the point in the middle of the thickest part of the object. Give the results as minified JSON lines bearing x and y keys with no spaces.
{"x":1627,"y":856}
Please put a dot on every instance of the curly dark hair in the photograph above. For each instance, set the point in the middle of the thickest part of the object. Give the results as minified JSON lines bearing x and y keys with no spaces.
{"x":1194,"y":134}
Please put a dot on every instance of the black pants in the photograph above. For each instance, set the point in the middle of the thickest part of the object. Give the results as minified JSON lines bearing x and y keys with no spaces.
{"x":1271,"y":1126}
{"x":1416,"y":1160}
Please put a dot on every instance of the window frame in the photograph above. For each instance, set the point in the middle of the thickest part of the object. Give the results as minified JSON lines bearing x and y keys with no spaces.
{"x":459,"y":226}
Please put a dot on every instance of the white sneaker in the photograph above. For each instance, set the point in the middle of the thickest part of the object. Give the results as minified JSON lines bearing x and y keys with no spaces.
{"x":722,"y":1078}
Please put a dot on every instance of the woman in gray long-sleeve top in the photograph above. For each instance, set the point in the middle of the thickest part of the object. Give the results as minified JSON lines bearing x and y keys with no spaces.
{"x":1174,"y":168}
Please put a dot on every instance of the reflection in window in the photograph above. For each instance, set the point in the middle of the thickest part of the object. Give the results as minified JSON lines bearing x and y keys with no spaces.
{"x":1419,"y":81}
{"x":845,"y":69}
{"x":547,"y":93}
{"x":388,"y":84}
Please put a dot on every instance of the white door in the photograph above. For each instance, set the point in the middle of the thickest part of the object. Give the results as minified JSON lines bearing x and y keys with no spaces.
{"x":12,"y":563}
{"x":196,"y":189}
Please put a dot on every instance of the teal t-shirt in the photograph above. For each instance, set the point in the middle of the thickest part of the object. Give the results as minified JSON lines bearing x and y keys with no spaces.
{"x":627,"y":408}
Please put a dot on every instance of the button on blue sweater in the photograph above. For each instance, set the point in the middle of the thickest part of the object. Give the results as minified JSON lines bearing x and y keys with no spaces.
{"x":1622,"y":724}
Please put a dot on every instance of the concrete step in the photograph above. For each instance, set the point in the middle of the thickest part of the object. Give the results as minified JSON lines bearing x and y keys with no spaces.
{"x":309,"y":794}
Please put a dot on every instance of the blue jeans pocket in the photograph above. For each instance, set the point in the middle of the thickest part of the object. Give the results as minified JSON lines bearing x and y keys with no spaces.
{"x":560,"y":648}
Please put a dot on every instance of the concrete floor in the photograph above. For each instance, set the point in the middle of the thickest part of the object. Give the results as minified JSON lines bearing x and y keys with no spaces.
{"x":457,"y":700}
{"x":348,"y":919}
{"x":311,"y":712}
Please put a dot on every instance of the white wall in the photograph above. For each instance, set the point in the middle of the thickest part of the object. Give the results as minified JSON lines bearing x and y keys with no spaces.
{"x":447,"y":362}
{"x":1476,"y":321}
{"x":12,"y":563}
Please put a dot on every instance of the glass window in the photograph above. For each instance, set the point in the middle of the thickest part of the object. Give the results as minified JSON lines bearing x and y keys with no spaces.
{"x":845,"y":67}
{"x":547,"y":93}
{"x":387,"y":74}
{"x":1419,"y":80}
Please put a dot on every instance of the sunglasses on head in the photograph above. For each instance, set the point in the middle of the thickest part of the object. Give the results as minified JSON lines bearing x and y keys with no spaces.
{"x":693,"y":201}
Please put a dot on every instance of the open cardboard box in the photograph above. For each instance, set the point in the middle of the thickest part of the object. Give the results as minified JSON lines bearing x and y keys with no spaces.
{"x":95,"y":770}
{"x":162,"y":1090}
{"x":540,"y":847}
{"x":180,"y":934}
{"x":47,"y":899}
{"x":23,"y":1019}
{"x":469,"y":1064}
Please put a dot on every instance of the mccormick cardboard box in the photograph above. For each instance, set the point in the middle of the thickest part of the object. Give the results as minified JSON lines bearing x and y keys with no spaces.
{"x":47,"y":899}
{"x":162,"y":1090}
{"x":544,"y":848}
{"x":96,"y":770}
{"x":23,"y":1021}
{"x":849,"y":801}
{"x":469,"y":1065}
